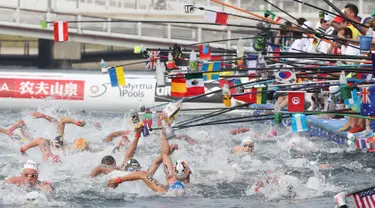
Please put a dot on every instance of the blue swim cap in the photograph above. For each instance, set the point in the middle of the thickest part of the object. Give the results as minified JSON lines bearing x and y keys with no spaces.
{"x":177,"y":185}
{"x":59,"y":140}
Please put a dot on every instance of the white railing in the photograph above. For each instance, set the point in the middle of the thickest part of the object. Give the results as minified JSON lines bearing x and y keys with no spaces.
{"x":26,"y":22}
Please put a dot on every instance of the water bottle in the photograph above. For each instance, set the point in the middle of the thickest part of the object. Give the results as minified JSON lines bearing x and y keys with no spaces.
{"x":160,"y":73}
{"x":167,"y":131}
{"x":172,"y":109}
{"x":340,"y":200}
{"x":103,"y":66}
{"x":342,"y":80}
{"x":142,"y":107}
{"x":240,"y":49}
{"x":226,"y":95}
{"x":193,"y":62}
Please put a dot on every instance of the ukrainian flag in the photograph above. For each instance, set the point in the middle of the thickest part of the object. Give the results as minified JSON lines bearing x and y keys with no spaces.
{"x":117,"y":76}
{"x":210,"y":67}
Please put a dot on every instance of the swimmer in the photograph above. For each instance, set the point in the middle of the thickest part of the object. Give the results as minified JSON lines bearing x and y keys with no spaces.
{"x":173,"y":183}
{"x":109,"y":163}
{"x":51,"y":150}
{"x":247,"y":145}
{"x":29,"y":178}
{"x":22,"y":126}
{"x":270,"y":133}
{"x":123,"y":142}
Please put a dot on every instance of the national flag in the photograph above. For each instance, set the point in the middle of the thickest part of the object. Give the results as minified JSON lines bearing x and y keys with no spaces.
{"x":370,"y":144}
{"x":353,"y":102}
{"x":231,"y":82}
{"x":365,"y":198}
{"x":252,"y":63}
{"x":117,"y":76}
{"x":151,"y":61}
{"x":345,"y":92}
{"x":361,"y":143}
{"x":286,"y":76}
{"x":299,"y":122}
{"x":216,"y":17}
{"x":178,"y":86}
{"x":276,"y":51}
{"x":367,"y":102}
{"x":272,"y":16}
{"x":211,"y":67}
{"x":250,"y":98}
{"x":60,"y":31}
{"x":261,"y":95}
{"x":204,"y":52}
{"x":194,"y":84}
{"x":296,"y":101}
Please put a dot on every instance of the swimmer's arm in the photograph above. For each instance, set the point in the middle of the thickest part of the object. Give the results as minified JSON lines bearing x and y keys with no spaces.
{"x":4,"y":131}
{"x":187,"y":138}
{"x":68,"y":120}
{"x":239,"y":130}
{"x":48,"y":118}
{"x":33,"y":143}
{"x":165,"y":150}
{"x":113,"y":135}
{"x":13,"y":180}
{"x":133,"y":146}
{"x":97,"y":171}
{"x":159,"y":160}
{"x":155,"y":165}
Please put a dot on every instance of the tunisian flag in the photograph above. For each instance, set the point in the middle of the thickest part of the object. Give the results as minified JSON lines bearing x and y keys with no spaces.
{"x":296,"y":101}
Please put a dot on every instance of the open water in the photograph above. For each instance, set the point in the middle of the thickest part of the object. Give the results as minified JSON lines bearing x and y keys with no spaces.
{"x":219,"y":178}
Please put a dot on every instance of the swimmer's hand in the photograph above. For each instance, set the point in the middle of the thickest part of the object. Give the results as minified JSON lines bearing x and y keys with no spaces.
{"x":113,"y":183}
{"x":81,"y":123}
{"x":36,"y":115}
{"x":46,"y":188}
{"x":163,"y":116}
{"x":172,"y":148}
{"x":115,"y":149}
{"x":23,"y":152}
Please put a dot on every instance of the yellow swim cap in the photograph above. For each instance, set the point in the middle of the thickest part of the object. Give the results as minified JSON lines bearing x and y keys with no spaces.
{"x":81,"y":144}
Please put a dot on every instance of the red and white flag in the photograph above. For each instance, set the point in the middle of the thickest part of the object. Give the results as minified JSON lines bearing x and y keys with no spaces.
{"x":296,"y":101}
{"x":216,"y":17}
{"x":60,"y":30}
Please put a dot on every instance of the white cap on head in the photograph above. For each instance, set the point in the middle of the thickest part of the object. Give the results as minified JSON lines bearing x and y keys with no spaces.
{"x":247,"y":140}
{"x":30,"y":165}
{"x":307,"y":24}
{"x":327,"y":17}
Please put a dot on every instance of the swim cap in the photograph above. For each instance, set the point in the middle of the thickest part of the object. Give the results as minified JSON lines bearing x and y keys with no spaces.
{"x":177,"y":185}
{"x":81,"y":144}
{"x":133,"y":163}
{"x":181,"y":169}
{"x":108,"y":160}
{"x":272,"y":132}
{"x":58,"y":140}
{"x":247,"y":140}
{"x":30,"y":165}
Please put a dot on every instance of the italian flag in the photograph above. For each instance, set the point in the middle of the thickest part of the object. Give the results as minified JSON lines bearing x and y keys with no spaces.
{"x":194,"y":84}
{"x":216,"y":17}
{"x":273,"y":16}
{"x":60,"y":31}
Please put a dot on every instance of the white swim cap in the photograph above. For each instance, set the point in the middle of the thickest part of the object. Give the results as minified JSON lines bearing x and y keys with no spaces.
{"x":30,"y":165}
{"x":247,"y":140}
{"x":181,"y":169}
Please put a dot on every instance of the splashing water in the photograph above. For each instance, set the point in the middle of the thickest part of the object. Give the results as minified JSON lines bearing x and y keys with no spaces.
{"x":289,"y":166}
